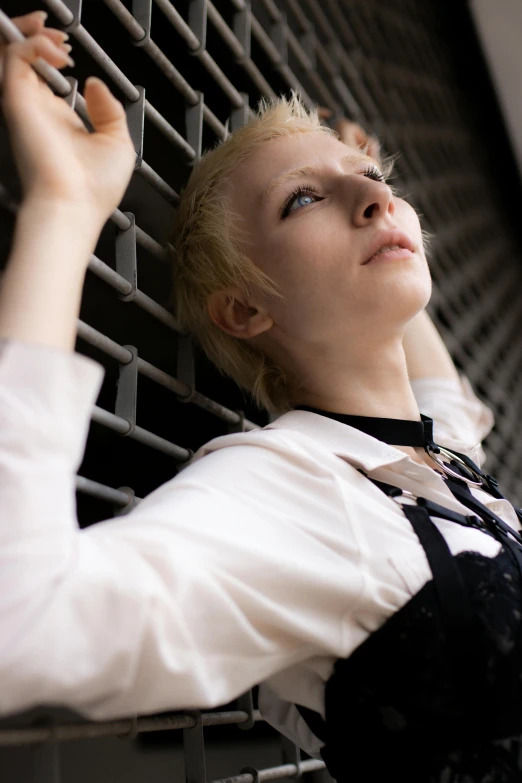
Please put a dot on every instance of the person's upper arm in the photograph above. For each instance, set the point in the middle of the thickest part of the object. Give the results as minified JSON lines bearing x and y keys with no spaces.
{"x":234,"y":570}
{"x":458,"y":413}
{"x":239,"y":567}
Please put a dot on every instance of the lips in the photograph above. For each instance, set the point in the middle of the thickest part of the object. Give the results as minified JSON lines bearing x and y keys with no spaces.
{"x":387,"y":239}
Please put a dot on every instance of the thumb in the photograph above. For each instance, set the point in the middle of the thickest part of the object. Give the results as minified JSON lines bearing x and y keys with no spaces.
{"x":106,"y":112}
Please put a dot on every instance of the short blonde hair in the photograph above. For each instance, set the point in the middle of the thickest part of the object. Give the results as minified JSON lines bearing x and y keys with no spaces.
{"x":206,"y":256}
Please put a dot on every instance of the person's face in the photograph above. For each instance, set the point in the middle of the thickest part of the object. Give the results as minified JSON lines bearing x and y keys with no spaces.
{"x":314,"y":245}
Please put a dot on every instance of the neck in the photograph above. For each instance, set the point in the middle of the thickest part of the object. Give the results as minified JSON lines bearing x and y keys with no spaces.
{"x":358,"y":387}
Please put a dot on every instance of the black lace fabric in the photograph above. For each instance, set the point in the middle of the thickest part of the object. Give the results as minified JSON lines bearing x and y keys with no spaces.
{"x":397,"y":708}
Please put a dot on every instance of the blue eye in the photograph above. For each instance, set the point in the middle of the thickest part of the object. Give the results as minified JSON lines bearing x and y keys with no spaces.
{"x":302,"y":190}
{"x":373,"y":172}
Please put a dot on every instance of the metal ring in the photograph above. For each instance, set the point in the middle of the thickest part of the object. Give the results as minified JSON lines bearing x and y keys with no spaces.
{"x":406,"y":493}
{"x":451,"y":472}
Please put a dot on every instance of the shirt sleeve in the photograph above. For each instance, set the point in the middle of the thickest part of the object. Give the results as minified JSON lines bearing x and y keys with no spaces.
{"x":460,"y":418}
{"x":240,"y":566}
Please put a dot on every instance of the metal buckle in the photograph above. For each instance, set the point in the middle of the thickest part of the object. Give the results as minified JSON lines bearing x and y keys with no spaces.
{"x":451,"y":472}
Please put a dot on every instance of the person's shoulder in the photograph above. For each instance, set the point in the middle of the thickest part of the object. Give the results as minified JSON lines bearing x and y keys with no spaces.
{"x":257,"y":441}
{"x":260,"y":457}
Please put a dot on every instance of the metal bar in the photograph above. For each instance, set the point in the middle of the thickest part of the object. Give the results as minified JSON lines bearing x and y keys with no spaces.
{"x":123,"y":427}
{"x":65,"y":732}
{"x":102,"y":492}
{"x":124,"y":355}
{"x":274,"y":773}
{"x":198,"y":49}
{"x":112,"y":278}
{"x":194,"y":751}
{"x":238,"y":48}
{"x":284,"y":71}
{"x":117,"y":76}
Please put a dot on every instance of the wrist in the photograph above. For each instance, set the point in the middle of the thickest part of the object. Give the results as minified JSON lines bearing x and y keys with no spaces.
{"x":41,"y":289}
{"x":61,"y":214}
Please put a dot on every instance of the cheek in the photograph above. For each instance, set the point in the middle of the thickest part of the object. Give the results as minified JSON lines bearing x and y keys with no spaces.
{"x":298,"y":247}
{"x":409,"y":219}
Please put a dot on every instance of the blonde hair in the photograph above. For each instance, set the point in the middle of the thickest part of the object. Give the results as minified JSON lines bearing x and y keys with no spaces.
{"x":206,"y":255}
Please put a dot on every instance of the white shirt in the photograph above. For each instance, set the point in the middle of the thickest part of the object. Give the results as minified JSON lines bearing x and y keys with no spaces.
{"x":264,"y":560}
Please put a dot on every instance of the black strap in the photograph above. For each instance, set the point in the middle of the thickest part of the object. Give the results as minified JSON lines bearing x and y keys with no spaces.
{"x":460,"y":621}
{"x":400,"y":432}
{"x":459,"y":618}
{"x":503,"y":532}
{"x":464,"y":495}
{"x":432,"y":507}
{"x":490,"y":484}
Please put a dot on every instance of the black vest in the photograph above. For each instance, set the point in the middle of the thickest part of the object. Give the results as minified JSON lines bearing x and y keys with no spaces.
{"x":435,"y":694}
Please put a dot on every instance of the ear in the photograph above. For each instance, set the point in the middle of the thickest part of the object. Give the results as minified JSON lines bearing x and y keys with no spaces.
{"x":229,"y":310}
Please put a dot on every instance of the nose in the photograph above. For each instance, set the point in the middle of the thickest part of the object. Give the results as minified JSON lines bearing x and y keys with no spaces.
{"x":373,"y":200}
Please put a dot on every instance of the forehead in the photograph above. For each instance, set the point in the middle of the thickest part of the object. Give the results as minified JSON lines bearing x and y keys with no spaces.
{"x":254,"y":176}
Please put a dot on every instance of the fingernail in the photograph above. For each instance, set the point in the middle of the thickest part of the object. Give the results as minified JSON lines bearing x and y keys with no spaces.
{"x":42,"y":14}
{"x":70,"y":61}
{"x":67,"y":47}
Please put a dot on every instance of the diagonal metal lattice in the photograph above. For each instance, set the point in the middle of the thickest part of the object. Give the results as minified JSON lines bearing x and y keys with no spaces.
{"x":183,"y":70}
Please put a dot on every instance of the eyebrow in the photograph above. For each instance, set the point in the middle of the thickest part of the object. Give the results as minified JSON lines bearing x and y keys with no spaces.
{"x":308,"y":171}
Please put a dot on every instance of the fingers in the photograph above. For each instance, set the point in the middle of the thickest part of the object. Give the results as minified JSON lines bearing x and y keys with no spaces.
{"x":34,"y":23}
{"x":374,"y":149}
{"x":353,"y":135}
{"x":31,"y":25}
{"x":324,"y":113}
{"x":106,"y":112}
{"x":18,"y":59}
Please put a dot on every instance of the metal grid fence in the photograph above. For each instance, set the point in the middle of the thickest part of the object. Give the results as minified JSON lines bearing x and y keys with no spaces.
{"x":182,"y":70}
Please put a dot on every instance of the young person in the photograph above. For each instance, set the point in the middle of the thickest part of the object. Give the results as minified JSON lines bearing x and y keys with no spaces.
{"x":351,"y":556}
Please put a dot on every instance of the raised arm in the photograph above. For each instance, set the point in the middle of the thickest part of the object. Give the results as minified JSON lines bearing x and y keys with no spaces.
{"x":192,"y":597}
{"x":72,"y":181}
{"x":185,"y":602}
{"x":426,"y":352}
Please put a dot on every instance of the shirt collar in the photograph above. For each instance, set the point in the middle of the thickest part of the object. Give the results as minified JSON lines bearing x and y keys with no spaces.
{"x":340,"y":438}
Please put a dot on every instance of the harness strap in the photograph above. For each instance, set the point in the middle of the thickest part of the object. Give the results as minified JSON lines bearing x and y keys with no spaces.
{"x":430,"y":505}
{"x":510,"y":538}
{"x":460,"y":621}
{"x":490,"y":483}
{"x":466,"y":498}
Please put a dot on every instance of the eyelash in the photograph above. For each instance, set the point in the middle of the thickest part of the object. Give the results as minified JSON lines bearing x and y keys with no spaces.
{"x":372,"y":172}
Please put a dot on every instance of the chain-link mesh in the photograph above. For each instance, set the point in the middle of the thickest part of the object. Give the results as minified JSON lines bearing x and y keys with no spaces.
{"x":183,"y":69}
